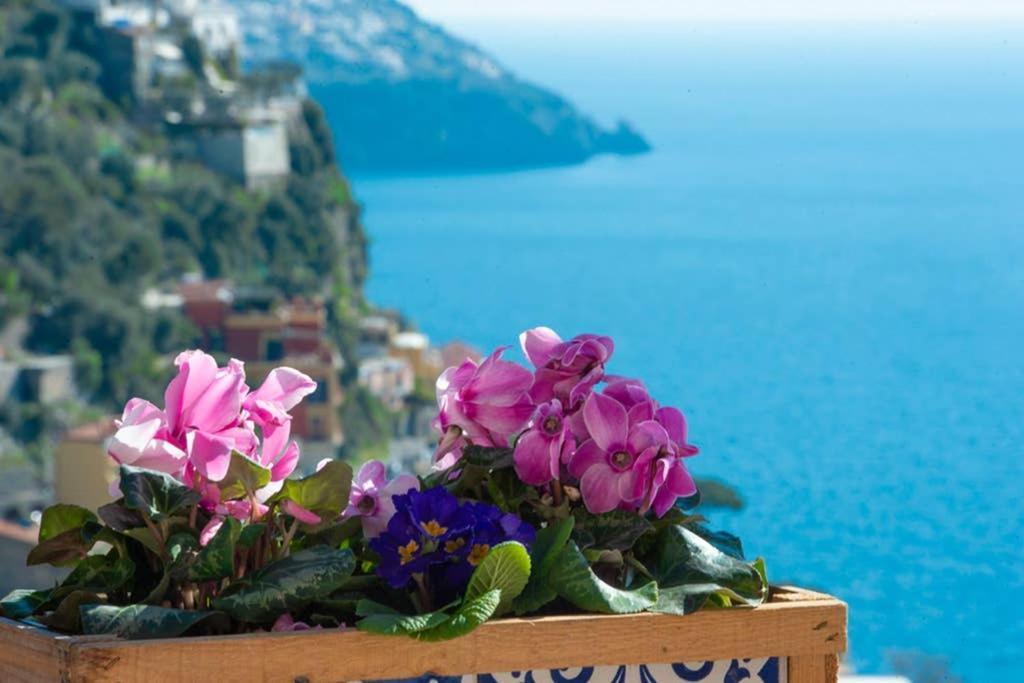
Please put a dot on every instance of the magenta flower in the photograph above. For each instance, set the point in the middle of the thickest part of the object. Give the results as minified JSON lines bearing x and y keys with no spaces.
{"x":486,"y":403}
{"x":371,"y":496}
{"x":568,"y":370}
{"x":141,"y":440}
{"x":545,"y":446}
{"x":614,"y":465}
{"x":210,"y":413}
{"x":268,"y":407}
{"x":203,"y":407}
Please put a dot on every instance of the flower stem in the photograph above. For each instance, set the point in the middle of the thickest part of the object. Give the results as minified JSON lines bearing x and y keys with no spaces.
{"x":423,"y":593}
{"x":556,"y":492}
{"x":288,"y":536}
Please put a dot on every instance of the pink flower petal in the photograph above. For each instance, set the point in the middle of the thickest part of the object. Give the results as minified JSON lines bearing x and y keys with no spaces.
{"x":532,"y":458}
{"x":600,"y":490}
{"x":646,"y":434}
{"x":373,"y":472}
{"x":285,"y":387}
{"x":606,"y":422}
{"x":674,"y":422}
{"x":501,"y":381}
{"x":211,"y":529}
{"x":300,"y":513}
{"x":209,"y":454}
{"x":286,"y":464}
{"x":539,"y":345}
{"x":587,"y":455}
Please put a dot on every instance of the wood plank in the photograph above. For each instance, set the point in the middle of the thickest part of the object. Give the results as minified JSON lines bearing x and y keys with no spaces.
{"x":814,"y":669}
{"x":29,"y":654}
{"x":792,"y":629}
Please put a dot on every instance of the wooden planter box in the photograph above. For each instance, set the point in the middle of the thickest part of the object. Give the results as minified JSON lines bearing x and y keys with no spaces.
{"x":795,"y":638}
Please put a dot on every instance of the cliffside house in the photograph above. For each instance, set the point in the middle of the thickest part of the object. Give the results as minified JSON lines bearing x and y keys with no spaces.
{"x":256,"y":326}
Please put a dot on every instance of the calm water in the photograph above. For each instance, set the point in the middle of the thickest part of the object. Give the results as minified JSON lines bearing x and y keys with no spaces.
{"x":821,"y":263}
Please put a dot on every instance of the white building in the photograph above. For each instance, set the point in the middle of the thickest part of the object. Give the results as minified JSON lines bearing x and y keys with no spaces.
{"x":216,"y":27}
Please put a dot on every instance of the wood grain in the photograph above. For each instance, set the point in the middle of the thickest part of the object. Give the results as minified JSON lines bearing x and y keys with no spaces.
{"x":29,"y":654}
{"x":809,"y":628}
{"x":814,"y":669}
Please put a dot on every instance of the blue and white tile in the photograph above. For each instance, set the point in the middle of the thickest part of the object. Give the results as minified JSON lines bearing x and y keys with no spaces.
{"x":765,"y":670}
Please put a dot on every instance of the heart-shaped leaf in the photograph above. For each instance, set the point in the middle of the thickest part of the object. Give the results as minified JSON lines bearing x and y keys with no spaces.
{"x":492,"y":458}
{"x":101,"y":573}
{"x":245,"y":476}
{"x":288,"y":584}
{"x":324,"y":493}
{"x":118,"y":517}
{"x":67,"y":617}
{"x":217,"y":559}
{"x":22,"y":603}
{"x":470,"y":614}
{"x":378,"y":618}
{"x":575,"y":581}
{"x":144,"y":621}
{"x":546,"y":547}
{"x":157,"y":494}
{"x":615,"y":530}
{"x":506,"y":568}
{"x":60,"y":518}
{"x":682,"y":559}
{"x":67,"y":547}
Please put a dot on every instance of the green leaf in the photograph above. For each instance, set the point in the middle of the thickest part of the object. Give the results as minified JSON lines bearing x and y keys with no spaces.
{"x":103,"y":573}
{"x":250,"y":534}
{"x":470,"y":614}
{"x":506,"y":568}
{"x":67,"y":617}
{"x":217,"y":559}
{"x":156,"y":494}
{"x":288,"y":584}
{"x":684,"y":599}
{"x":60,"y":518}
{"x":244,"y":477}
{"x":682,"y":558}
{"x":65,"y":548}
{"x":723,"y":540}
{"x":615,"y":530}
{"x":22,"y":603}
{"x":145,"y":536}
{"x":179,"y":546}
{"x":549,"y":543}
{"x":489,"y":457}
{"x":378,"y":618}
{"x":118,"y":517}
{"x":144,"y":621}
{"x":575,"y":581}
{"x":325,"y":493}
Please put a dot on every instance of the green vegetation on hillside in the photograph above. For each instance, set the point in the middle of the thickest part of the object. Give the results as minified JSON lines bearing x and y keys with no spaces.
{"x":96,"y":207}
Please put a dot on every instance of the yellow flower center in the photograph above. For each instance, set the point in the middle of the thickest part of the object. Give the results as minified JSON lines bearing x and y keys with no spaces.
{"x":408,"y":551}
{"x":433,"y":528}
{"x":478,"y":553}
{"x":454,"y":545}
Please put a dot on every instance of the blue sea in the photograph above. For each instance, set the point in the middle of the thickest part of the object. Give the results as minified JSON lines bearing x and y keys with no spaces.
{"x":821,"y":263}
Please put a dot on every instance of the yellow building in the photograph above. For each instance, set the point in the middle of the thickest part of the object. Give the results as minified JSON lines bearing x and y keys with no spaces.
{"x":82,"y":470}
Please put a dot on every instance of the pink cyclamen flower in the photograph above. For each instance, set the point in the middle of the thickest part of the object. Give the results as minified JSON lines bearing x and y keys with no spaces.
{"x":614,"y":464}
{"x":141,"y":440}
{"x":545,"y":446}
{"x":566,"y":370}
{"x":371,"y":496}
{"x":203,"y":406}
{"x":268,"y":407}
{"x":485,"y":403}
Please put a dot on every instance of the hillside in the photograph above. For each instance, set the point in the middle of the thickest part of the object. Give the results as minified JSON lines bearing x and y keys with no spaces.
{"x":406,"y":95}
{"x":100,"y":202}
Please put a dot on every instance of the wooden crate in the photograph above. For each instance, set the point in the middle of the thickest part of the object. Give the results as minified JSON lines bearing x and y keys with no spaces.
{"x":806,"y":631}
